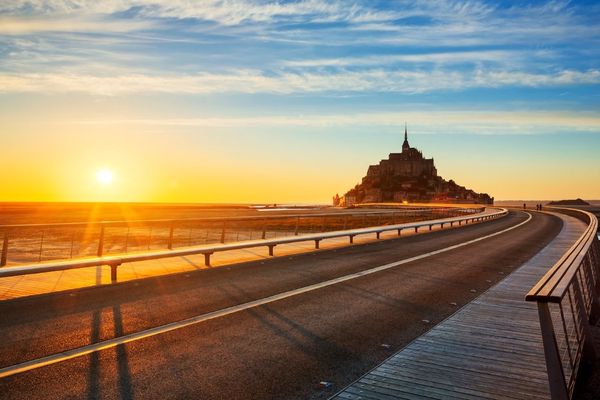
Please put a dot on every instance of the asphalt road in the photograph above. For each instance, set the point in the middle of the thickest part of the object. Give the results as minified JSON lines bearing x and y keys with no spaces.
{"x":279,"y":350}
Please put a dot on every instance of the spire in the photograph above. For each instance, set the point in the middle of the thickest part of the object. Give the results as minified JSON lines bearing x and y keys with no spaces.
{"x":405,"y":145}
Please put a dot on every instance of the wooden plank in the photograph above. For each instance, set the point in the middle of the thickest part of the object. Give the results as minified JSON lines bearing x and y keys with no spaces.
{"x":466,"y":376}
{"x":454,"y":383}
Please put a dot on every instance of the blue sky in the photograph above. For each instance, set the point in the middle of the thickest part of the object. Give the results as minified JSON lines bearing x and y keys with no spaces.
{"x":311,"y":82}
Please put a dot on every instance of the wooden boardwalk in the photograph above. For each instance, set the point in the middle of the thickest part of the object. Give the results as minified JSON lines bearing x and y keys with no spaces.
{"x":490,"y":349}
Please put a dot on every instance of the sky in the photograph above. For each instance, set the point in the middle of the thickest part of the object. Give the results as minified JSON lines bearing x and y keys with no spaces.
{"x":249,"y":101}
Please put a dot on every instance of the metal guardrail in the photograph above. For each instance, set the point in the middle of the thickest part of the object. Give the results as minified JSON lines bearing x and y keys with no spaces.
{"x":207,"y":251}
{"x":45,"y":242}
{"x":567,"y":298}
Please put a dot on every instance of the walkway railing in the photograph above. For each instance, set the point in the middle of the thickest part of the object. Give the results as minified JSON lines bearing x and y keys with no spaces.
{"x":207,"y":251}
{"x":27,"y":243}
{"x":567,"y":298}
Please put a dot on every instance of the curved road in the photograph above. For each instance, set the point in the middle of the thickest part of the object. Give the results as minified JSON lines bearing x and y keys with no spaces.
{"x":281,"y":349}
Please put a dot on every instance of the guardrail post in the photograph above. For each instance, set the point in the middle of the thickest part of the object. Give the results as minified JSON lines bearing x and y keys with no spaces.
{"x":207,"y":259}
{"x":378,"y":233}
{"x":399,"y":231}
{"x":317,"y":243}
{"x":170,"y":246}
{"x":416,"y":229}
{"x":351,"y":238}
{"x":113,"y":272}
{"x":4,"y":255}
{"x":430,"y":227}
{"x":101,"y":242}
{"x":271,"y":249}
{"x":556,"y":375}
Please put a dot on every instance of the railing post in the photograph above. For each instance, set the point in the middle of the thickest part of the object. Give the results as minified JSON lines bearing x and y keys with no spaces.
{"x":101,"y":242}
{"x":127,"y":239}
{"x":556,"y":375}
{"x":317,"y":243}
{"x":271,"y":249}
{"x":592,"y":286}
{"x":72,"y":243}
{"x":378,"y":233}
{"x":351,"y":238}
{"x":4,"y":255}
{"x":170,"y":246}
{"x":399,"y":231}
{"x":41,"y":247}
{"x":588,"y":346}
{"x":223,"y":233}
{"x":207,"y":259}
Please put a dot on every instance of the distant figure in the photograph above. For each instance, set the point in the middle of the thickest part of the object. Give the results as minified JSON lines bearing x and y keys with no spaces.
{"x":540,"y":206}
{"x":524,"y":206}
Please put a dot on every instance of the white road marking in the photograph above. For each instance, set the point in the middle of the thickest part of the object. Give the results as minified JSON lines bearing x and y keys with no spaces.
{"x":107,"y":344}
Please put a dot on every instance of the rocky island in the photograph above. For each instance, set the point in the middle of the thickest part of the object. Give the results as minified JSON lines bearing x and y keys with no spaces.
{"x":408,"y":177}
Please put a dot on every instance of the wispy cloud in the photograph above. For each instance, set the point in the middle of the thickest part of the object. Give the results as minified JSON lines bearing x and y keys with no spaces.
{"x":303,"y":46}
{"x":425,"y":122}
{"x":19,"y":26}
{"x":447,"y":57}
{"x":231,"y":12}
{"x":247,"y":81}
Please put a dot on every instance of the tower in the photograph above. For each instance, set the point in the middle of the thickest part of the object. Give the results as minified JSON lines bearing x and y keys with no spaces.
{"x":405,"y":145}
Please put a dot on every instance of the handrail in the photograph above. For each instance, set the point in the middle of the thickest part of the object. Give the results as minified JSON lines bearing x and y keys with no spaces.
{"x":572,"y":286}
{"x":207,"y":251}
{"x":232,"y":218}
{"x":96,"y":232}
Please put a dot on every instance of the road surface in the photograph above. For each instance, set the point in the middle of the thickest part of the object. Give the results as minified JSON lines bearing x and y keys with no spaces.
{"x":281,"y":349}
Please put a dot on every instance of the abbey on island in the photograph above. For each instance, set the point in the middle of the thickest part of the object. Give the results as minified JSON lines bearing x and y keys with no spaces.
{"x":408,"y":177}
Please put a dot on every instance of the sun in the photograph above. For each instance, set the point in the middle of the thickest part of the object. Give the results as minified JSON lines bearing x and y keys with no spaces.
{"x":104,"y":176}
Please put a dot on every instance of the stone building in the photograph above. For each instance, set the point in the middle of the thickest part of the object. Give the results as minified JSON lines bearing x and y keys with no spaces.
{"x":408,"y":176}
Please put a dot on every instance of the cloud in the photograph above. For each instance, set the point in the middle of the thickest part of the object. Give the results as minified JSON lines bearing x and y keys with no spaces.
{"x":17,"y":26}
{"x":426,"y":122}
{"x":230,"y":12}
{"x":249,"y":81}
{"x":456,"y":57}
